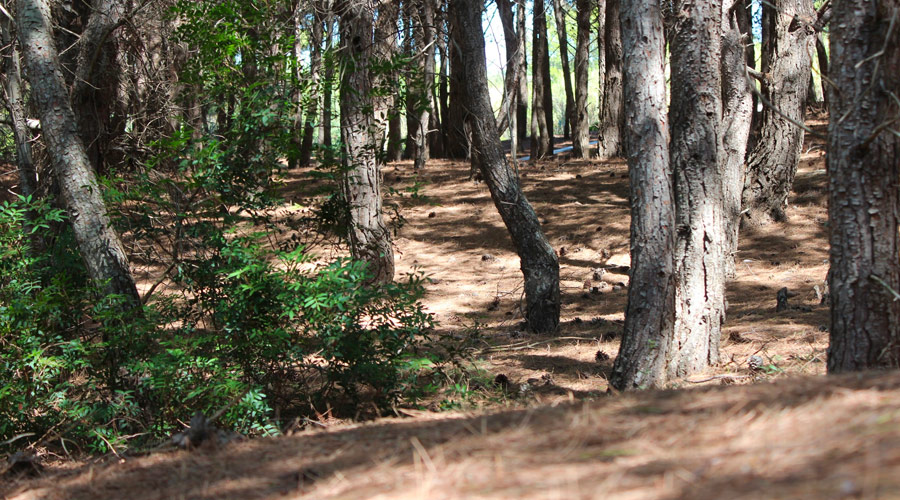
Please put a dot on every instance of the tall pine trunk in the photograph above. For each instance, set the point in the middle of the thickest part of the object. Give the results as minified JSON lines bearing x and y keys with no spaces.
{"x":361,"y":134}
{"x":312,"y":108}
{"x":650,"y":312}
{"x":581,"y":121}
{"x":542,"y":101}
{"x":773,"y":161}
{"x":701,"y":242}
{"x":98,"y":243}
{"x":559,"y":14}
{"x":539,"y":263}
{"x":864,"y":186}
{"x":15,"y":101}
{"x":522,"y":88}
{"x":612,"y":110}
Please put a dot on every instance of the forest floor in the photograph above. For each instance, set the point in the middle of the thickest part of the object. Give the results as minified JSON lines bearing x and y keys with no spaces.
{"x":783,"y":431}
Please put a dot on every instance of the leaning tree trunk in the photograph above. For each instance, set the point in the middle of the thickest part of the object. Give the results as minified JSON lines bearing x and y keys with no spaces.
{"x":701,"y":242}
{"x":559,"y":14}
{"x":737,"y":113}
{"x":539,"y":263}
{"x":98,"y":243}
{"x":542,"y":102}
{"x":612,"y":111}
{"x":650,"y":312}
{"x":773,"y":162}
{"x":864,"y":186}
{"x":95,"y":89}
{"x":580,"y":129}
{"x":361,"y":133}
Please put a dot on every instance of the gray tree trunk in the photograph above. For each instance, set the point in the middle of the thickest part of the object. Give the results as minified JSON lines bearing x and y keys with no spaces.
{"x":775,"y":156}
{"x":612,"y":111}
{"x":650,"y":312}
{"x":361,"y":134}
{"x":737,"y":113}
{"x":559,"y":14}
{"x":98,"y":243}
{"x":522,"y":90}
{"x":542,"y":101}
{"x":511,"y":80}
{"x":864,"y":186}
{"x":423,"y":33}
{"x":701,"y":243}
{"x":581,"y":125}
{"x":539,"y":263}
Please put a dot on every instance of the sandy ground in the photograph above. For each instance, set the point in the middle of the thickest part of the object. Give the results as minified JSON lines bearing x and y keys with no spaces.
{"x":782,"y":432}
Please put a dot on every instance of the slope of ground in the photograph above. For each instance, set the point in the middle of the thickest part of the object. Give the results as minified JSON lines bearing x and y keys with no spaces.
{"x":814,"y":437}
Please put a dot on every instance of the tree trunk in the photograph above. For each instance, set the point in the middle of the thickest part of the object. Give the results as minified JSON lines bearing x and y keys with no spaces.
{"x":383,"y":74}
{"x":581,"y":147}
{"x":560,"y":16}
{"x":864,"y":186}
{"x":511,"y":80}
{"x":361,"y":134}
{"x":423,"y":81}
{"x":98,"y":243}
{"x":312,"y":107}
{"x":15,"y":101}
{"x":737,"y":113}
{"x":612,"y":112}
{"x":650,"y":312}
{"x":539,"y":262}
{"x":457,"y":140}
{"x":773,"y":161}
{"x":522,"y":88}
{"x":327,"y":92}
{"x":822,"y":56}
{"x":95,"y":87}
{"x":701,"y":244}
{"x":542,"y":101}
{"x":601,"y":56}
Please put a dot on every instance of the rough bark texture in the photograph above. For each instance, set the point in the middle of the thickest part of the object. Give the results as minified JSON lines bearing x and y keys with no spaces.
{"x":773,"y":161}
{"x":422,"y":82}
{"x":361,"y":134}
{"x":559,"y":14}
{"x":15,"y":101}
{"x":581,"y":125}
{"x":383,"y":75}
{"x":650,"y":312}
{"x":456,"y":138}
{"x":542,"y":102}
{"x":511,"y":80}
{"x":737,"y":113}
{"x":539,"y":263}
{"x":95,"y":89}
{"x":822,"y":56}
{"x":612,"y":111}
{"x":700,"y":242}
{"x":864,"y":191}
{"x":601,"y":55}
{"x":98,"y":243}
{"x":522,"y":88}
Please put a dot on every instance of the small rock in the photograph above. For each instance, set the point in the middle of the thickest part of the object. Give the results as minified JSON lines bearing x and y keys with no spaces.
{"x":488,"y":258}
{"x":578,"y":176}
{"x":432,"y":215}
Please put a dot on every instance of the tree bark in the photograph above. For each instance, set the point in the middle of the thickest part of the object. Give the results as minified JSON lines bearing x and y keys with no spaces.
{"x":98,"y":243}
{"x":650,"y":312}
{"x":361,"y":134}
{"x":773,"y":161}
{"x":559,"y":14}
{"x":612,"y":112}
{"x":701,"y":244}
{"x":737,"y":113}
{"x":822,"y":56}
{"x":327,"y":92}
{"x":539,"y":263}
{"x":581,"y":147}
{"x":423,"y":81}
{"x":95,"y":87}
{"x":522,"y":89}
{"x":511,"y":80}
{"x":542,"y":100}
{"x":864,"y":186}
{"x":15,"y":101}
{"x":456,"y":137}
